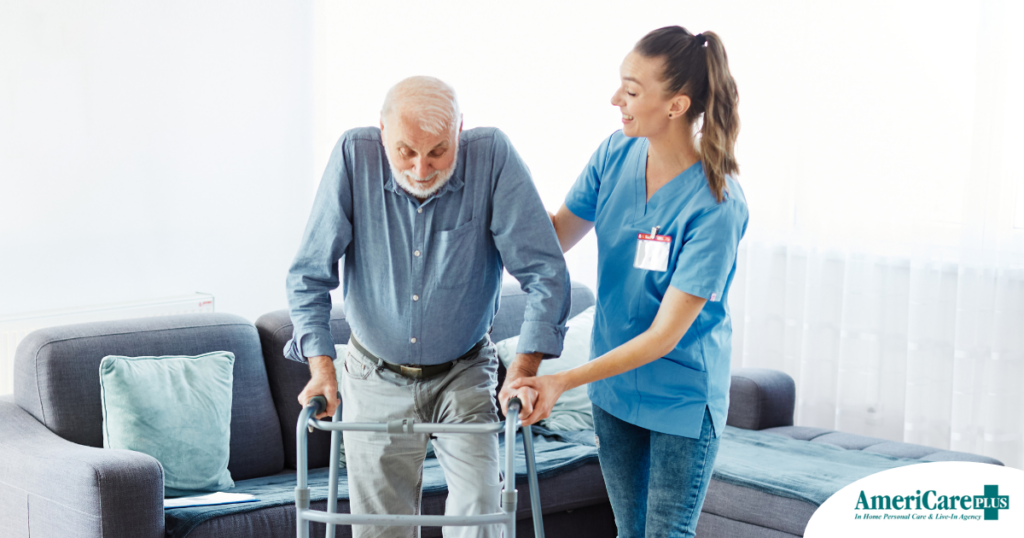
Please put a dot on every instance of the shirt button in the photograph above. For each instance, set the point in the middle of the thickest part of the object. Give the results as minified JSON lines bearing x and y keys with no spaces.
{"x":416,"y":253}
{"x":413,"y":340}
{"x":415,"y":297}
{"x":419,"y":210}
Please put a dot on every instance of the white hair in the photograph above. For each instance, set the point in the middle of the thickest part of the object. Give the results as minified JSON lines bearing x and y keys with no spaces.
{"x":426,"y":99}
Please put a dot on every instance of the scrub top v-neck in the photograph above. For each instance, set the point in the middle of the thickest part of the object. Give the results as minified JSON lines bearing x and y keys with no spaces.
{"x":669,"y":394}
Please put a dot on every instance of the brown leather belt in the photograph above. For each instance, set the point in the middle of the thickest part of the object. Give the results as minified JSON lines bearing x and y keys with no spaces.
{"x":418,"y":372}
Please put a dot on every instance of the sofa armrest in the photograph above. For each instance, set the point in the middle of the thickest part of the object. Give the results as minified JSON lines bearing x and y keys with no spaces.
{"x":761,"y":398}
{"x":52,"y":487}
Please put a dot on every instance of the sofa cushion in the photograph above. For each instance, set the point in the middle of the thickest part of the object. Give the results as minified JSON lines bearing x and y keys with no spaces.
{"x":573,"y":410}
{"x":789,"y":467}
{"x":749,"y":504}
{"x":760,"y":398}
{"x":803,"y":433}
{"x":577,"y":488}
{"x":287,"y":377}
{"x":951,"y":455}
{"x":509,"y":319}
{"x":874,"y":445}
{"x":901,"y":450}
{"x":756,"y":508}
{"x":176,"y":409}
{"x":57,"y":378}
{"x":594,"y":521}
{"x":712,"y":525}
{"x":849,"y":441}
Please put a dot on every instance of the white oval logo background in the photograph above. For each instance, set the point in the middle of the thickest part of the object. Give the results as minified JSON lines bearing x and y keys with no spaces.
{"x":837,"y":516}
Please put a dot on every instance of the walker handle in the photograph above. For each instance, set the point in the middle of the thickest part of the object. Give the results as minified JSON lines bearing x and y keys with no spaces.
{"x":318,"y":403}
{"x":514,"y":405}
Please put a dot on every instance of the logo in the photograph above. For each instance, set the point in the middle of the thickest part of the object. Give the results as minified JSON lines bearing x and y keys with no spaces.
{"x":945,"y":499}
{"x":991,"y":502}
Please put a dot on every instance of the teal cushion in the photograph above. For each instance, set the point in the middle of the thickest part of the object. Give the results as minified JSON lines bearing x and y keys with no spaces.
{"x":573,"y":410}
{"x":176,"y":409}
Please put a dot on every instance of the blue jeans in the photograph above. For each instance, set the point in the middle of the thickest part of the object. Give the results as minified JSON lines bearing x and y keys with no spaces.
{"x":656,"y":481}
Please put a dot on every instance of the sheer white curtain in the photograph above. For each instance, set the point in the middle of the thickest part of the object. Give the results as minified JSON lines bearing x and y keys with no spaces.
{"x":888,"y":280}
{"x":877,"y":153}
{"x":900,"y":348}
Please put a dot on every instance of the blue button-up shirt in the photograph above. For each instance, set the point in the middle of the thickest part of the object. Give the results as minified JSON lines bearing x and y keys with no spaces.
{"x":423,"y":280}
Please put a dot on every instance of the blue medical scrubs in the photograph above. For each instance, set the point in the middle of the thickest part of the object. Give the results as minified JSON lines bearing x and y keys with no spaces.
{"x":670,"y":394}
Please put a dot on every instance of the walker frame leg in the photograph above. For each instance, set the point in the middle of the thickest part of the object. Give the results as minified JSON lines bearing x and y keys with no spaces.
{"x":332,"y":495}
{"x":531,"y":474}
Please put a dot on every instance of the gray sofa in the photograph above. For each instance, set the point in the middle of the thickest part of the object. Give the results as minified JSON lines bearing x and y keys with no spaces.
{"x":55,"y":480}
{"x":764,"y":400}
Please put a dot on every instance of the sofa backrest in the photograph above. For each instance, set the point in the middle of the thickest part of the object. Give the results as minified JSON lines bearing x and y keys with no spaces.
{"x":287,"y":377}
{"x":57,"y":378}
{"x":509,"y":319}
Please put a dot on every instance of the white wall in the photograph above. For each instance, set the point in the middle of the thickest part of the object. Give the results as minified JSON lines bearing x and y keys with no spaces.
{"x":858,"y":118}
{"x":544,"y":72}
{"x":153,"y":148}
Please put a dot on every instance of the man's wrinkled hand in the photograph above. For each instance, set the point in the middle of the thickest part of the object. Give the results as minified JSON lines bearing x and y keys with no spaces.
{"x":525,"y":364}
{"x":548,"y":389}
{"x":526,"y":395}
{"x":323,"y":382}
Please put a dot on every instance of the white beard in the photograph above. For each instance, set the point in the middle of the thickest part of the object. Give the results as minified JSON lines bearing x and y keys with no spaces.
{"x":408,"y":180}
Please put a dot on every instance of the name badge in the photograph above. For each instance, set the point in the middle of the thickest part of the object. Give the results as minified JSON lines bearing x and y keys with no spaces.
{"x":652,"y":251}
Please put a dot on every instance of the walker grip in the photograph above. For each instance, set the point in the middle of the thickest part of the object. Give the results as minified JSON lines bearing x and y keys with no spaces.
{"x":318,"y":403}
{"x":514,"y":405}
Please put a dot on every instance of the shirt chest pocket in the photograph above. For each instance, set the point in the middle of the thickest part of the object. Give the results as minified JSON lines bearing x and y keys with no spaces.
{"x":453,"y":255}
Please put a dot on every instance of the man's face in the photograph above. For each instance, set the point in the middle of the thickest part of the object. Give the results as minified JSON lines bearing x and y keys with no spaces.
{"x":420,"y":161}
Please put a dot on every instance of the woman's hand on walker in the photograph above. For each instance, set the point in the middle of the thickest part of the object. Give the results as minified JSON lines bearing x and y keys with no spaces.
{"x":548,"y":387}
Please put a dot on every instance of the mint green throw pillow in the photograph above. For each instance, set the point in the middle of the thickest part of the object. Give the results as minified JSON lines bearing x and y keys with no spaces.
{"x":176,"y":409}
{"x":573,"y":410}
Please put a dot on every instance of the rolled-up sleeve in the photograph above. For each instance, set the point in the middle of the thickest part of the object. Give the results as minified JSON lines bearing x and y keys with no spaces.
{"x":314,"y":272}
{"x":530,"y":251}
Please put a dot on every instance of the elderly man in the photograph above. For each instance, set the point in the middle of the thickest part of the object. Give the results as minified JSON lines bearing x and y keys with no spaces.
{"x":425,"y":215}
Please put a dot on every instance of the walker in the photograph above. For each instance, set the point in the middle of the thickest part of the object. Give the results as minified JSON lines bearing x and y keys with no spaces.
{"x":509,"y":495}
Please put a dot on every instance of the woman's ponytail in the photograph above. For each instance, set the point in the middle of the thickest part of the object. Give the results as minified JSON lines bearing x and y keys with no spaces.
{"x":721,"y":119}
{"x":697,"y":66}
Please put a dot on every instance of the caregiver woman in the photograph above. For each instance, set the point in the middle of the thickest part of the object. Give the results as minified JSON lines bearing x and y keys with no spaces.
{"x":669,"y":217}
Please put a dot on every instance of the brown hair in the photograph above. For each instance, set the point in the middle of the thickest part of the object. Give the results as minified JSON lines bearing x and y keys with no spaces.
{"x":697,"y":66}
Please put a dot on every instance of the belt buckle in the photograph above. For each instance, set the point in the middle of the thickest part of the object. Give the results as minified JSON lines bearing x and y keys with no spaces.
{"x":411,"y":371}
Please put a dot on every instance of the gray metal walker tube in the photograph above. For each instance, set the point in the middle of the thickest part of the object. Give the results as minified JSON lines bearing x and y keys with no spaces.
{"x":332,"y":492}
{"x":531,"y":474}
{"x":509,"y":495}
{"x":315,"y":405}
